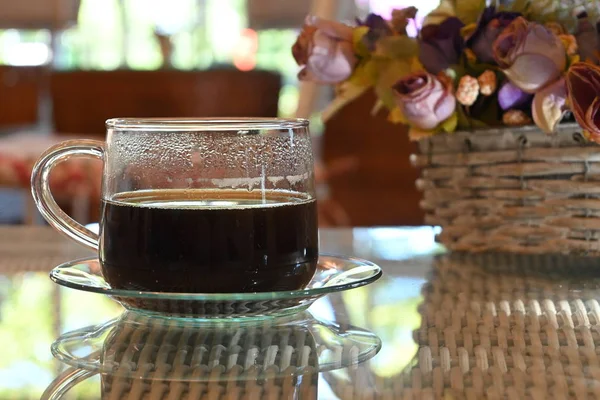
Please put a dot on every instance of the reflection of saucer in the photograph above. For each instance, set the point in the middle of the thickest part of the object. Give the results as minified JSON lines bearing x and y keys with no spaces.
{"x":305,"y":387}
{"x":111,"y":388}
{"x":153,"y":348}
{"x":333,"y":274}
{"x":68,"y":379}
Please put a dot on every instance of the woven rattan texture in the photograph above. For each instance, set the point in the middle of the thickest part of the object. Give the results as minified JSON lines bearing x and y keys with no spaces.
{"x":512,"y":189}
{"x":172,"y":361}
{"x":500,"y":326}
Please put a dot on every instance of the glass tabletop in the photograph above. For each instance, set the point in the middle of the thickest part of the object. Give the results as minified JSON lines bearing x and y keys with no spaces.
{"x":453,"y":325}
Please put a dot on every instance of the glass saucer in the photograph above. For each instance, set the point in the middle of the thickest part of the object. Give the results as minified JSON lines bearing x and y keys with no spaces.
{"x":333,"y":274}
{"x":139,"y":346}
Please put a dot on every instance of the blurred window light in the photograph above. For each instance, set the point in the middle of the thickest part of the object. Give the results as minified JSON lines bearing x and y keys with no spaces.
{"x":25,"y":48}
{"x":224,"y":23}
{"x":170,"y":17}
{"x":24,"y":54}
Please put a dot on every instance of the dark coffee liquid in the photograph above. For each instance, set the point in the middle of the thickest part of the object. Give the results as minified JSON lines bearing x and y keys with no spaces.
{"x":209,"y":241}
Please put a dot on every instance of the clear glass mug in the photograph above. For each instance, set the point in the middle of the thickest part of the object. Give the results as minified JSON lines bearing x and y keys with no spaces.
{"x":197,"y":205}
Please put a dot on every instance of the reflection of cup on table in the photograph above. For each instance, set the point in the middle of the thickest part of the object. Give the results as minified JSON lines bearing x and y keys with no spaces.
{"x":264,"y":360}
{"x":198,"y":205}
{"x":140,"y":356}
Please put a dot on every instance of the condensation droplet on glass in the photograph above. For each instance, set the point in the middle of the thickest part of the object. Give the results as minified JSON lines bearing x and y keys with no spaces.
{"x":196,"y":157}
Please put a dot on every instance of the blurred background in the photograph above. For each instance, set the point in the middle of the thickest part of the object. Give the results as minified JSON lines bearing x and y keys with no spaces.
{"x":68,"y":65}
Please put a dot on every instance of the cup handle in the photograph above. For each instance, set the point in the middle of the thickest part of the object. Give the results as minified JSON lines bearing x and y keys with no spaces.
{"x":40,"y":188}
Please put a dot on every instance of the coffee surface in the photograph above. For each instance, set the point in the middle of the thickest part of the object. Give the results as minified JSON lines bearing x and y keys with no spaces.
{"x":209,"y":241}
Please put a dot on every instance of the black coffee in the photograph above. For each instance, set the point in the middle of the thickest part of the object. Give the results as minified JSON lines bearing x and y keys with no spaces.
{"x":209,"y":241}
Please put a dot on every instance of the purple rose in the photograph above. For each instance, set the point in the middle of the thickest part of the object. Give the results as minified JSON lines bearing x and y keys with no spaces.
{"x":324,"y":51}
{"x":510,"y":96}
{"x":378,"y":28}
{"x":530,"y":55}
{"x":489,"y":26}
{"x":425,"y":100}
{"x":376,"y":23}
{"x":441,"y":45}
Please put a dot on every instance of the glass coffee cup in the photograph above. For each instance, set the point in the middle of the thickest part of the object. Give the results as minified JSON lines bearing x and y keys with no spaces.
{"x":197,"y":205}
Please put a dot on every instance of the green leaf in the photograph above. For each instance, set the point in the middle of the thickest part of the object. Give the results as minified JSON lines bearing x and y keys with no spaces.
{"x":462,"y":120}
{"x":365,"y":73}
{"x":542,"y":11}
{"x":540,"y":8}
{"x":396,"y":116}
{"x":465,"y":122}
{"x":450,"y":124}
{"x":445,"y":10}
{"x":377,"y":107}
{"x":386,"y":96}
{"x":475,"y":68}
{"x":477,"y":124}
{"x":393,"y":71}
{"x":397,"y":46}
{"x":357,"y":41}
{"x":490,"y":112}
{"x":520,"y":6}
{"x":572,"y":60}
{"x":468,"y":11}
{"x":416,"y":134}
{"x":390,"y":73}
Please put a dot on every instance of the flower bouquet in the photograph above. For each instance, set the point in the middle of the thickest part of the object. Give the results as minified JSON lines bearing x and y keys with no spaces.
{"x":491,"y":94}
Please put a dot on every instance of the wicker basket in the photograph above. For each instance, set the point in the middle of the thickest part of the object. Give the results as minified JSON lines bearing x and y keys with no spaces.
{"x":513,"y":189}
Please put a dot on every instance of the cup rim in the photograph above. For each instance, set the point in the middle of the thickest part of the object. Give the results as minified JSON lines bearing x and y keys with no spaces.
{"x":203,"y":124}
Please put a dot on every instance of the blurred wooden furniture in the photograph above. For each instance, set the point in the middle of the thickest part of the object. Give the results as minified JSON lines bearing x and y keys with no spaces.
{"x":19,"y":95}
{"x":381,"y":190}
{"x":268,"y":14}
{"x":38,"y":14}
{"x":83,"y":100}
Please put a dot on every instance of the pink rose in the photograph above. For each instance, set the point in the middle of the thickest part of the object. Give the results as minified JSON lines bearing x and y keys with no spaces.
{"x":583,"y":86}
{"x":549,"y":105}
{"x":530,"y":55}
{"x":324,"y":50}
{"x":425,"y":100}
